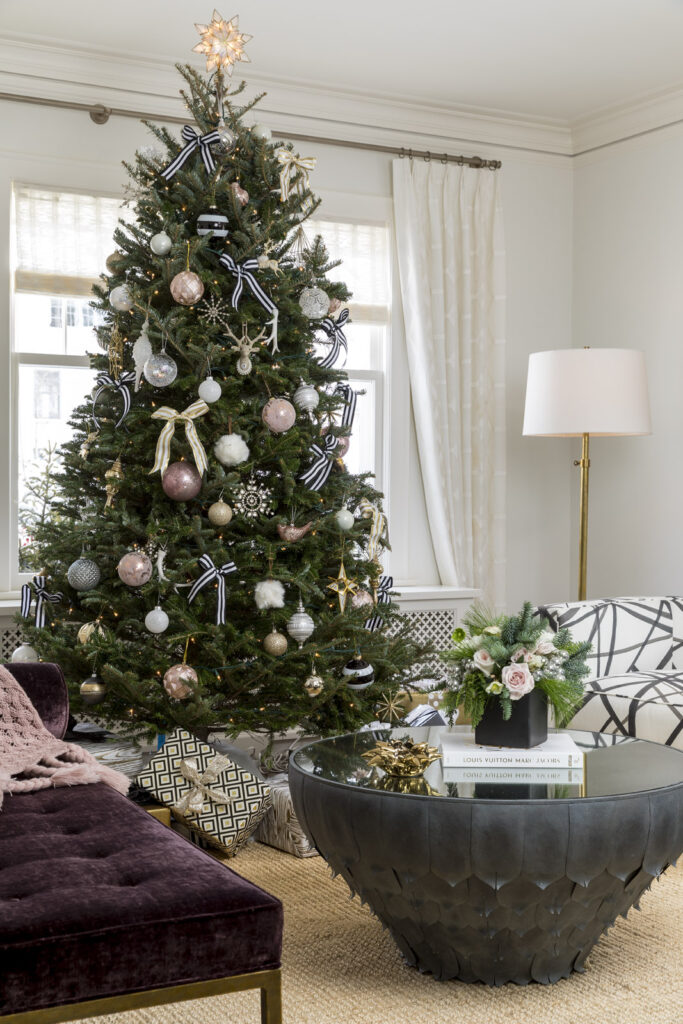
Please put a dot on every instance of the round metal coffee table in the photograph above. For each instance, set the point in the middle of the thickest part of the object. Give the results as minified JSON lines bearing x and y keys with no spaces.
{"x":492,"y":882}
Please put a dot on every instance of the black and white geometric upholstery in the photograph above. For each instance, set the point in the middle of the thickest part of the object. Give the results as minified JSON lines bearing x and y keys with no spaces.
{"x":637,"y":643}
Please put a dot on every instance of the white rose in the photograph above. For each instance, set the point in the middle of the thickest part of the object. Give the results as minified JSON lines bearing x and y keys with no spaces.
{"x":492,"y":630}
{"x":545,"y":643}
{"x":483,"y":660}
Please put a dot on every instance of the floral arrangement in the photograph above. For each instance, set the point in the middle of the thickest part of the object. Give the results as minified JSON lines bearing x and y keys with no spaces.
{"x":503,"y":658}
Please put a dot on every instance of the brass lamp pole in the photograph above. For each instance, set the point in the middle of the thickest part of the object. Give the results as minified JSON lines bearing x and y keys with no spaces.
{"x":578,"y":392}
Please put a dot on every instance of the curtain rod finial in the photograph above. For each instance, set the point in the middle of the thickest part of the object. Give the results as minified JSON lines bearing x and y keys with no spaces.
{"x":99,"y":113}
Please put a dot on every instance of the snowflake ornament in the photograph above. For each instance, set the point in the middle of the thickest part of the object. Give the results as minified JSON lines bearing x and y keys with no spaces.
{"x":214,"y":312}
{"x":222,"y":43}
{"x":252,"y":499}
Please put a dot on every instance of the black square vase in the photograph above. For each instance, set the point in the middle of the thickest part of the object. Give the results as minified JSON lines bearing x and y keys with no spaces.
{"x":527,"y":726}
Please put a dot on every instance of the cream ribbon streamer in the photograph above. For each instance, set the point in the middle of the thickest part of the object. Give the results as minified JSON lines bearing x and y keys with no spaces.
{"x":201,"y":791}
{"x":378,"y":527}
{"x":290,"y":163}
{"x":163,"y":452}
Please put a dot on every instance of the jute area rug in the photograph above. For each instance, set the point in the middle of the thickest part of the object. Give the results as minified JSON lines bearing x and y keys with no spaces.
{"x":340,"y":967}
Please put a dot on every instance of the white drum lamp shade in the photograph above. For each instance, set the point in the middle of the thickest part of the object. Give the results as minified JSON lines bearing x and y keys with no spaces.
{"x":598,"y":391}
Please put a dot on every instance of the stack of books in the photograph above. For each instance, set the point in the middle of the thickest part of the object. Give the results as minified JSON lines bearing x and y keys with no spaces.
{"x":553,"y":768}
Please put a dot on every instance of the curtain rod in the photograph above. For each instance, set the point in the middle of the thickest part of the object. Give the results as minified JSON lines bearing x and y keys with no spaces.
{"x":101,"y":114}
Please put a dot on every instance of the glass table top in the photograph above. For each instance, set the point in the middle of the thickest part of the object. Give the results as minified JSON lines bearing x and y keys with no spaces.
{"x":612,"y":766}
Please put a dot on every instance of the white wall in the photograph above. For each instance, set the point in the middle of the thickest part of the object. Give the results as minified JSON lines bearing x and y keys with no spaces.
{"x":64,"y":148}
{"x":628,"y":292}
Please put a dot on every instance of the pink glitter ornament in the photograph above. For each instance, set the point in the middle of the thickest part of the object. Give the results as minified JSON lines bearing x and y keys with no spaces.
{"x":181,"y":481}
{"x":278,"y":415}
{"x":135,"y":569}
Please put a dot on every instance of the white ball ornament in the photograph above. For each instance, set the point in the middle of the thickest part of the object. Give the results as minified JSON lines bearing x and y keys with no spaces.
{"x":156,"y":621}
{"x":210,"y":390}
{"x":345,"y":518}
{"x":120,"y":299}
{"x":24,"y":652}
{"x":261,"y":131}
{"x":160,"y":244}
{"x":231,"y":450}
{"x":269,"y":594}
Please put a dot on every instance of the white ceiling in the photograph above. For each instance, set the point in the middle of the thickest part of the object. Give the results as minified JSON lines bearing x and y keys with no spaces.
{"x":561,"y":60}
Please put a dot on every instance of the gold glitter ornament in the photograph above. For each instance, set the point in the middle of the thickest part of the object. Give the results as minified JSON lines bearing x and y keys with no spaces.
{"x":402,"y":757}
{"x":275,"y":643}
{"x":113,"y":475}
{"x":115,"y":350}
{"x":87,"y":444}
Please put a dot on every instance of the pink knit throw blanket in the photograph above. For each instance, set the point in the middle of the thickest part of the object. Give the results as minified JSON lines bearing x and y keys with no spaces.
{"x":32,"y":758}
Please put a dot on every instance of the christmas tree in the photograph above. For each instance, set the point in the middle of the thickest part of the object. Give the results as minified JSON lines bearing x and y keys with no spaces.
{"x":210,"y":562}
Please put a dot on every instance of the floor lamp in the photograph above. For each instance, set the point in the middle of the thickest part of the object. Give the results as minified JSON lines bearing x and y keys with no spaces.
{"x":577,"y":392}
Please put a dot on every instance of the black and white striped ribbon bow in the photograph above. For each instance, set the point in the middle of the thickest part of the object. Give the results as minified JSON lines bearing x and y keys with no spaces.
{"x":244,"y":274}
{"x":385,"y":584}
{"x":319,"y":470}
{"x":37,"y":587}
{"x":211,"y":573}
{"x":334,"y":329}
{"x":193,"y":140}
{"x":121,"y":385}
{"x":350,"y":398}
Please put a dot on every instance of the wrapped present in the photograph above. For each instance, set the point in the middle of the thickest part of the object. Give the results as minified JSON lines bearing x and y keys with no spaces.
{"x":211,"y":795}
{"x":280,"y":827}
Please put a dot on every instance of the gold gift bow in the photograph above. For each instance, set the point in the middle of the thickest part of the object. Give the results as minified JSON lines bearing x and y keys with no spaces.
{"x":377,"y":528}
{"x":163,"y":452}
{"x":290,"y":164}
{"x":194,"y":799}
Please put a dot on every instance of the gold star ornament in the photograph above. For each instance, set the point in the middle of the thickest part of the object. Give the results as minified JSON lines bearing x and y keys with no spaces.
{"x":222,"y":43}
{"x":343,"y":586}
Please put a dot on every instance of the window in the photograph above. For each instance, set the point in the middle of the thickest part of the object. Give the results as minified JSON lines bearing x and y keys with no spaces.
{"x":366,"y":270}
{"x":60,"y":242}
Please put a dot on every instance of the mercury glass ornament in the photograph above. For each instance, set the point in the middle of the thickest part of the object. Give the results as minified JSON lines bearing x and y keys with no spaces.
{"x":261,"y":131}
{"x":181,"y":481}
{"x":275,"y":643}
{"x":241,"y":194}
{"x":87,"y":630}
{"x":160,"y":370}
{"x":362,"y":599}
{"x":220,"y":513}
{"x":314,"y":303}
{"x":301,"y":625}
{"x":345,"y":519}
{"x":209,"y":390}
{"x":278,"y":415}
{"x":358,"y":673}
{"x":314,"y":684}
{"x":179,"y":681}
{"x":160,"y":244}
{"x":24,"y":652}
{"x":187,"y":288}
{"x":134,"y":569}
{"x":93,"y":690}
{"x":306,"y":398}
{"x":83,"y":574}
{"x":227,"y":137}
{"x":156,"y":621}
{"x":120,"y":299}
{"x":113,"y":261}
{"x":211,"y":222}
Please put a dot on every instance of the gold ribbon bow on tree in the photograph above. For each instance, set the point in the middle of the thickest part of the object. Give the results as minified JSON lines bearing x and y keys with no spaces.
{"x":290,"y":163}
{"x":201,"y":791}
{"x":378,"y":528}
{"x":163,"y":452}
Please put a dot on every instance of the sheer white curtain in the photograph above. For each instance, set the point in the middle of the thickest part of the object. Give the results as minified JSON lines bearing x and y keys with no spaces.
{"x":451,"y":256}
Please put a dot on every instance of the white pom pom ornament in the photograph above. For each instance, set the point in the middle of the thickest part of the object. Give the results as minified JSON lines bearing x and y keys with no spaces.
{"x":269,"y":594}
{"x":231,"y":449}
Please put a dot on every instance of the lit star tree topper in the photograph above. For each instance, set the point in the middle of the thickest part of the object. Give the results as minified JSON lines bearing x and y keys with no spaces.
{"x":222,"y":43}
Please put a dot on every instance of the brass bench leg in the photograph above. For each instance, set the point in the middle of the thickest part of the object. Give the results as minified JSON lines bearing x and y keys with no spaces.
{"x":271,"y":1001}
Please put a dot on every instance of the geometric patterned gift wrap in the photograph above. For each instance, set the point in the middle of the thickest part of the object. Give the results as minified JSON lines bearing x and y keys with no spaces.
{"x":208,"y":792}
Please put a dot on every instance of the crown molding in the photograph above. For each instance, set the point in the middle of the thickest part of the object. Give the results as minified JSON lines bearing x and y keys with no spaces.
{"x":620,"y":123}
{"x":30,"y":68}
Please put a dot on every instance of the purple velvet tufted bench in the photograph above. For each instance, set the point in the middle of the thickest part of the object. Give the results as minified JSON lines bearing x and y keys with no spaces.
{"x":103,"y":908}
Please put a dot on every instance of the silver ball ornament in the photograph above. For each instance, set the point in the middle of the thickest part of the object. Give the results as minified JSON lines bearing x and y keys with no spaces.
{"x":306,"y":398}
{"x":160,"y":244}
{"x":187,"y":288}
{"x":160,"y":370}
{"x":313,"y":685}
{"x":345,"y":519}
{"x":227,"y":137}
{"x":220,"y":513}
{"x":278,"y":415}
{"x":181,"y":481}
{"x":83,"y":574}
{"x":134,"y":569}
{"x":210,"y":390}
{"x":120,"y":299}
{"x":314,"y":303}
{"x":157,"y":620}
{"x":179,"y":681}
{"x":358,"y":673}
{"x":275,"y":643}
{"x":301,"y":625}
{"x":93,"y":690}
{"x":24,"y":652}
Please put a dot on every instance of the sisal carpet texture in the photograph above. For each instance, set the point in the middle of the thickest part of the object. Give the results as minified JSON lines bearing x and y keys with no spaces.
{"x":340,"y":967}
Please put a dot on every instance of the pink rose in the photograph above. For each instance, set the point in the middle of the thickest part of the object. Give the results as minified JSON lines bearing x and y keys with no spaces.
{"x":518,"y":679}
{"x":483,"y":660}
{"x":521,"y":654}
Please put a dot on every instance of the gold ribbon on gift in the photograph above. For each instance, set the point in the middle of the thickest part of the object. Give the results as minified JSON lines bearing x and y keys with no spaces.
{"x":290,"y":163}
{"x":201,"y":791}
{"x":163,"y":452}
{"x":378,"y":527}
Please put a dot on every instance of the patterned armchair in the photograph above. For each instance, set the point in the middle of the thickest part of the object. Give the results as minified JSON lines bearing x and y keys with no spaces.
{"x":636,"y":685}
